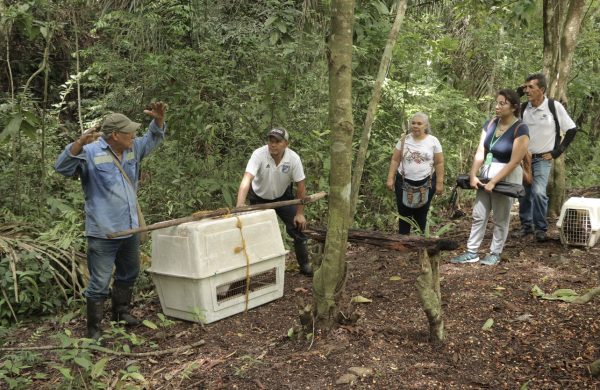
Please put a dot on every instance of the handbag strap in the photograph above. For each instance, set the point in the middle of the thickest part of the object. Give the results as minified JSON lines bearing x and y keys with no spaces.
{"x":402,"y":154}
{"x":517,"y":128}
{"x":141,"y":219}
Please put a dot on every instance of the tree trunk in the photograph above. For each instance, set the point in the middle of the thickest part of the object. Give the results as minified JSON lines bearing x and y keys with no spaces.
{"x":384,"y":65}
{"x":552,"y":21}
{"x":561,"y":19}
{"x":568,"y":42}
{"x":557,"y":187}
{"x":330,"y":277}
{"x":428,"y":286}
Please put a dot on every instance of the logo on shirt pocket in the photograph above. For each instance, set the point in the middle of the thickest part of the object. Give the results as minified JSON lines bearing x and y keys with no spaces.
{"x":285,"y":168}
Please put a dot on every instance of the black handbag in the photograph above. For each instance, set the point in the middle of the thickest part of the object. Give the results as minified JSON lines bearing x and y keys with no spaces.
{"x":464,"y":181}
{"x":505,"y":188}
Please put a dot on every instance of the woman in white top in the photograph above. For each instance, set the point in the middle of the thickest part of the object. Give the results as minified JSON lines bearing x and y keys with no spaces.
{"x":421,"y":162}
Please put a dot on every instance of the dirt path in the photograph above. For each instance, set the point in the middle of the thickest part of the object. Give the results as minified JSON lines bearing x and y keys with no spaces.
{"x":544,"y":344}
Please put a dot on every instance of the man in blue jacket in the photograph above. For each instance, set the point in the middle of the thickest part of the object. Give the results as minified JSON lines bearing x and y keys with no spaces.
{"x":108,"y":163}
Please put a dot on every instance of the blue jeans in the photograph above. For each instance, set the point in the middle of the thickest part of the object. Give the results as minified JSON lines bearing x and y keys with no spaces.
{"x":533,"y":207}
{"x":103,"y":255}
{"x":418,"y":215}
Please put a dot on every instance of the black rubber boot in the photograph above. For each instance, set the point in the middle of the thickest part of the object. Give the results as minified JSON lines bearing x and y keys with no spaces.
{"x":302,"y":257}
{"x":121,"y":299}
{"x":95,"y":310}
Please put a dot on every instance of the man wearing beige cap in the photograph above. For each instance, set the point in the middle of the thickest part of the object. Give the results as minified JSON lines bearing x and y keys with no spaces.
{"x":108,"y":163}
{"x":270,"y":173}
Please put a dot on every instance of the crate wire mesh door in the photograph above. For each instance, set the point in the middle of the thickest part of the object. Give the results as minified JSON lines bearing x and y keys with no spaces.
{"x":576,"y":227}
{"x":237,"y":288}
{"x":579,"y":222}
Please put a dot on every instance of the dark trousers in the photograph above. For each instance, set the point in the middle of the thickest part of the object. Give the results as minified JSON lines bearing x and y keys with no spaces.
{"x":418,"y":215}
{"x":285,"y":213}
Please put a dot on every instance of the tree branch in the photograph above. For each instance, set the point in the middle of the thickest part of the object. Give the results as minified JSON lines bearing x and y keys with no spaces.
{"x":106,"y":350}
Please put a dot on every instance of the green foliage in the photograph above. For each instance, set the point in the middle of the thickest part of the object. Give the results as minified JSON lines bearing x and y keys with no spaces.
{"x":230,"y":71}
{"x":165,"y":322}
{"x":76,"y":364}
{"x":19,"y":119}
{"x":15,"y":370}
{"x":38,"y":276}
{"x":245,"y":364}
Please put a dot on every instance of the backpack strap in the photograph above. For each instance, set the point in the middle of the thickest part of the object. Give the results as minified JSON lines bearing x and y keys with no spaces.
{"x":494,"y":122}
{"x":523,"y":107}
{"x":517,"y":128}
{"x":552,"y":108}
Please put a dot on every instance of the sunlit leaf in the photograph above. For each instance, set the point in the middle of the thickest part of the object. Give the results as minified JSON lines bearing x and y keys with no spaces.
{"x":488,"y":324}
{"x":360,"y":299}
{"x":98,"y":367}
{"x":381,"y":7}
{"x":136,"y":376}
{"x":150,"y":324}
{"x":66,"y":372}
{"x":536,"y":291}
{"x":270,"y":20}
{"x":83,"y":362}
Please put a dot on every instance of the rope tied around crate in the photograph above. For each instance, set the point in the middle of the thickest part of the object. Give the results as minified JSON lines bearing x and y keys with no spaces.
{"x":243,"y":248}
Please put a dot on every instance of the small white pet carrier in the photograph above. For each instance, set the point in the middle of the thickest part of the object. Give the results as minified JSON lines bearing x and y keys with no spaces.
{"x":579,"y":222}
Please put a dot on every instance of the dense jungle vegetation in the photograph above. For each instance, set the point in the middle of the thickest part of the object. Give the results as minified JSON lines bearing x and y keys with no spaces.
{"x":230,"y":70}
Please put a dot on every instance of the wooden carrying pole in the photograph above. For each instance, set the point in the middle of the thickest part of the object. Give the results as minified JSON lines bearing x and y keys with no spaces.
{"x":220,"y":212}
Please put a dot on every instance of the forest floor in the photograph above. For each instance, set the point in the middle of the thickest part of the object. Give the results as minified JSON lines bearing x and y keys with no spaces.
{"x":532,"y":343}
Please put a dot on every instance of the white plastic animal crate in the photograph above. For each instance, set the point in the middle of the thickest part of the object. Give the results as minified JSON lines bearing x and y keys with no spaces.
{"x":579,"y":222}
{"x":199,"y":268}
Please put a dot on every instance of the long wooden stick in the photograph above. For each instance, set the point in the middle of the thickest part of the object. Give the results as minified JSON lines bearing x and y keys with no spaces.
{"x":106,"y":350}
{"x":396,"y":242}
{"x":220,"y":212}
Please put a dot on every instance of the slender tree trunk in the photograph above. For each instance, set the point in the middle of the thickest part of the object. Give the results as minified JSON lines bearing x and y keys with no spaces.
{"x":384,"y":66}
{"x":330,"y":277}
{"x":8,"y":67}
{"x":43,"y":135}
{"x":16,"y":148}
{"x":428,"y":286}
{"x":568,"y":43}
{"x":77,"y":70}
{"x":562,"y":19}
{"x":15,"y":142}
{"x":552,"y":21}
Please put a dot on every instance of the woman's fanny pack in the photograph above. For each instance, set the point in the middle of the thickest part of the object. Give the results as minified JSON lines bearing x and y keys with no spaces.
{"x":415,"y":196}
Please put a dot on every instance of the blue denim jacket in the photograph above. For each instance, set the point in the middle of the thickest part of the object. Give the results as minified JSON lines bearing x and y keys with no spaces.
{"x":110,"y":202}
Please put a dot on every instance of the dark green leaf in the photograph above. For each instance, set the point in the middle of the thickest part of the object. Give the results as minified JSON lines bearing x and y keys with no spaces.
{"x":12,"y":128}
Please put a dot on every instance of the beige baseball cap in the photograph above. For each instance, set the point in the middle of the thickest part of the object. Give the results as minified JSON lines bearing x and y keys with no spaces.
{"x":119,"y":122}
